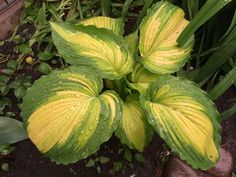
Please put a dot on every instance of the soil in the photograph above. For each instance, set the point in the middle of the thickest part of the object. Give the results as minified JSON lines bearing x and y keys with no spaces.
{"x":26,"y":161}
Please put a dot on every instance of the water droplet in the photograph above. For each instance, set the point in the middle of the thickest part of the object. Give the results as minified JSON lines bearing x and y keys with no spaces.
{"x":83,"y":154}
{"x":72,"y":108}
{"x":152,"y":121}
{"x":163,"y":132}
{"x":133,"y":127}
{"x":78,"y":95}
{"x":82,"y":131}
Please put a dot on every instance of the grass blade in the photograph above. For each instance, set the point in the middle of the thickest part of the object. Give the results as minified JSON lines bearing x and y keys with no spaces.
{"x":80,"y":10}
{"x":143,"y":12}
{"x":223,"y":85}
{"x":218,"y":58}
{"x":192,"y":8}
{"x":125,"y":8}
{"x":210,"y":8}
{"x":105,"y":4}
{"x":226,"y":114}
{"x":233,"y":23}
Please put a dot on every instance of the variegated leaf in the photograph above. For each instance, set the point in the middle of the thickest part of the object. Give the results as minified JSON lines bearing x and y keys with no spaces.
{"x":185,"y":118}
{"x":114,"y":24}
{"x":65,"y":116}
{"x":134,"y":129}
{"x":96,"y":48}
{"x":132,"y":41}
{"x":140,"y":78}
{"x":159,"y":30}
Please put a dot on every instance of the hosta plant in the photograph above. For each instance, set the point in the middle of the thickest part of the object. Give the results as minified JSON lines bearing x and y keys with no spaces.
{"x":122,"y":85}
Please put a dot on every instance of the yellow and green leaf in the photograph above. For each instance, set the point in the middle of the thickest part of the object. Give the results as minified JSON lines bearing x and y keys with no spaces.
{"x":140,"y":78}
{"x":97,"y":48}
{"x":114,"y":24}
{"x":66,"y":117}
{"x":134,"y":129}
{"x":185,"y":118}
{"x":159,"y":30}
{"x":132,"y":41}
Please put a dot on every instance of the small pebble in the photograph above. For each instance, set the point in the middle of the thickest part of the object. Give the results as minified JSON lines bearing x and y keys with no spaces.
{"x":224,"y":166}
{"x":178,"y":168}
{"x":5,"y":167}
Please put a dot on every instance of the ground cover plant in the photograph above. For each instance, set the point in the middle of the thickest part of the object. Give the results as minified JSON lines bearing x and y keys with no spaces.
{"x":123,"y":84}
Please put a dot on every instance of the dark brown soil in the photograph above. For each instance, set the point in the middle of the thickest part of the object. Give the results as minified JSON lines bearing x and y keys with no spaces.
{"x":26,"y":161}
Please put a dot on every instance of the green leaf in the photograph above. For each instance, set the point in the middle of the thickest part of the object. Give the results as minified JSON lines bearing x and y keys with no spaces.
{"x":96,"y":48}
{"x":45,"y":56}
{"x":210,"y":8}
{"x":119,"y":86}
{"x":159,"y":30}
{"x":24,"y":48}
{"x":44,"y":68}
{"x":139,"y":157}
{"x":232,"y":25}
{"x":104,"y":160}
{"x":10,"y":114}
{"x":16,"y":83}
{"x":117,"y":166}
{"x":19,"y":91}
{"x":6,"y":149}
{"x":41,"y":18}
{"x":65,"y":115}
{"x":218,"y":58}
{"x":125,"y":8}
{"x":143,"y":12}
{"x":105,"y":4}
{"x":133,"y":129}
{"x":132,"y":41}
{"x":11,"y":131}
{"x":4,"y":101}
{"x":185,"y":118}
{"x":140,"y":78}
{"x":4,"y":89}
{"x":128,"y":155}
{"x":12,"y":64}
{"x":223,"y":85}
{"x":229,"y":112}
{"x":193,"y":7}
{"x":3,"y":79}
{"x":8,"y":71}
{"x":98,"y":169}
{"x":90,"y":163}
